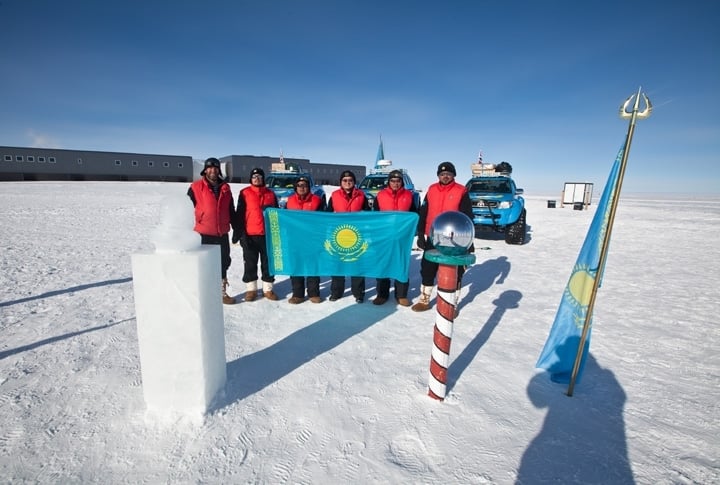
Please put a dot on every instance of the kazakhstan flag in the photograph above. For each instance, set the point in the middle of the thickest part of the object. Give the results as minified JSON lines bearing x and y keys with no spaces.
{"x":558,"y":355}
{"x":312,"y":243}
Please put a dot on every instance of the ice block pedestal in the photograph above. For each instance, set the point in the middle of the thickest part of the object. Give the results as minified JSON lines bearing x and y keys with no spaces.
{"x":180,"y":327}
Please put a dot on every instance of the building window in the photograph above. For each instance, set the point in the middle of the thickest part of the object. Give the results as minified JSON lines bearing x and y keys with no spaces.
{"x":41,"y":159}
{"x":166,"y":164}
{"x":30,"y":158}
{"x":51,"y":159}
{"x":8,"y":158}
{"x":151,"y":163}
{"x":18,"y":158}
{"x":79,"y":161}
{"x":118,"y":163}
{"x":134,"y":163}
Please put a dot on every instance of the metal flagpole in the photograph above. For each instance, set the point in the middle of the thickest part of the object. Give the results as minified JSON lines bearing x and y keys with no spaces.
{"x":634,"y":115}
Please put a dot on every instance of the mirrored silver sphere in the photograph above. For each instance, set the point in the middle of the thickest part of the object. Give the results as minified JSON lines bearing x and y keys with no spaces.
{"x":452,"y":233}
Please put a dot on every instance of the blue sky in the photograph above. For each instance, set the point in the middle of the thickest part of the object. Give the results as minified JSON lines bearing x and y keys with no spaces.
{"x":534,"y":83}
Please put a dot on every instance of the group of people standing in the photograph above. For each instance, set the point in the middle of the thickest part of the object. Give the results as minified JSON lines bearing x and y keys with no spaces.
{"x":216,"y":214}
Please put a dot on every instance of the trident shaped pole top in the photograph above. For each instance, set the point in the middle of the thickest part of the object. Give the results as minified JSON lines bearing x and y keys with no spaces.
{"x":625,"y":113}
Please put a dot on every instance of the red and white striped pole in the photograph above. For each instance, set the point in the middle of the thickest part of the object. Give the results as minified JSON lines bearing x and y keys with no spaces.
{"x":442,"y":333}
{"x":452,"y":236}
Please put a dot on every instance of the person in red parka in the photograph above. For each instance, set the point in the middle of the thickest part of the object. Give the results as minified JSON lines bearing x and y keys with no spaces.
{"x":444,"y":195}
{"x":305,"y":200}
{"x":214,"y":215}
{"x":347,"y":198}
{"x":250,"y":232}
{"x":394,"y":197}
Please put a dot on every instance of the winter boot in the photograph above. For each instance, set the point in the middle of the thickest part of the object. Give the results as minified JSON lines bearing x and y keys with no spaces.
{"x":423,"y":303}
{"x":268,"y":291}
{"x":251,"y":291}
{"x":227,"y":299}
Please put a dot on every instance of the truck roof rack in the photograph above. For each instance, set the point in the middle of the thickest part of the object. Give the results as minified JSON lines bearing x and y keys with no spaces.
{"x":490,"y":169}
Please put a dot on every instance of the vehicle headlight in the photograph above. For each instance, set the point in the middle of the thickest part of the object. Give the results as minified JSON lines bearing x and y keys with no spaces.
{"x":505,"y":204}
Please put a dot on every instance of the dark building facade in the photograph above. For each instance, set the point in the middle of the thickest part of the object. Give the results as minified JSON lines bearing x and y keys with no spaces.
{"x":23,"y":163}
{"x":19,"y":164}
{"x":238,"y":168}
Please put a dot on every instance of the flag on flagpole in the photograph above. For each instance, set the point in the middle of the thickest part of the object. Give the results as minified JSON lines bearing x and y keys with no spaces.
{"x":560,"y":351}
{"x":311,"y":243}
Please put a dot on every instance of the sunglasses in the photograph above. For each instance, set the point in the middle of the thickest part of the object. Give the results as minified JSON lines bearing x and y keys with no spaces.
{"x":347,"y":180}
{"x":395,"y":180}
{"x":302,"y":185}
{"x":257,"y":176}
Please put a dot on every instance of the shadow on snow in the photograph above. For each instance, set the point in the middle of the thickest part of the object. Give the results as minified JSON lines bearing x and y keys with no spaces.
{"x":66,"y":290}
{"x":249,"y":374}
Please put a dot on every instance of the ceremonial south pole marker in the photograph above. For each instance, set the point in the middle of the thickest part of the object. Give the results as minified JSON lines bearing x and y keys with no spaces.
{"x":452,"y":233}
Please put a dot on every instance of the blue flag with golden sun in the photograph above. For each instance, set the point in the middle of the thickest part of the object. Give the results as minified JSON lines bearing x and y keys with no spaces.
{"x":560,"y":351}
{"x":313,"y":243}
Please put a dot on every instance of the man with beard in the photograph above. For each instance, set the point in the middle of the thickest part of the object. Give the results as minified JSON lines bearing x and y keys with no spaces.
{"x":214,"y":214}
{"x":442,"y":196}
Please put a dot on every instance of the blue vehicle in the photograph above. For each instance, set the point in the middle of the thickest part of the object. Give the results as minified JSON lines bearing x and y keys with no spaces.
{"x":497,"y":203}
{"x":376,"y":180}
{"x":281,"y":180}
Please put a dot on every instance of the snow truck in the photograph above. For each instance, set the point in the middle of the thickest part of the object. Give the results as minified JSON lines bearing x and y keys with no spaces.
{"x":497,"y":203}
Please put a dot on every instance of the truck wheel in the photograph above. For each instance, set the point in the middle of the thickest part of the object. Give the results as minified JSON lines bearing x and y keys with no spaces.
{"x":515,"y":232}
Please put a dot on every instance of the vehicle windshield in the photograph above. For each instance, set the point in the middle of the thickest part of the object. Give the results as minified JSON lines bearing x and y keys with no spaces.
{"x":284,"y":181}
{"x":373,"y":183}
{"x":490,"y":186}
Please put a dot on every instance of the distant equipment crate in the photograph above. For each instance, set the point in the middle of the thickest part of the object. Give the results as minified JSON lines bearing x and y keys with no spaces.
{"x":577,"y":192}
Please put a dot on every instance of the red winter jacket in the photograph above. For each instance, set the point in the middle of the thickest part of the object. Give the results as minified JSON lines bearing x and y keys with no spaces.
{"x":441,"y":198}
{"x":213,"y":215}
{"x":401,"y":200}
{"x":251,"y":203}
{"x":311,"y":202}
{"x":343,"y":202}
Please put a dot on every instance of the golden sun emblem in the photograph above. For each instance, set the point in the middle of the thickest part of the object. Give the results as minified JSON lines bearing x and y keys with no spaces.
{"x":346,"y":243}
{"x":579,"y":291}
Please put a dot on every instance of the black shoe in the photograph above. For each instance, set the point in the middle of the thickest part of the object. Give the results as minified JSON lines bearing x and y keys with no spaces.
{"x":334,"y":298}
{"x":358,"y":300}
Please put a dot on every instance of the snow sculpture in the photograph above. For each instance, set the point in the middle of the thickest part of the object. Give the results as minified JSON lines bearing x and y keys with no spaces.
{"x":179,"y":317}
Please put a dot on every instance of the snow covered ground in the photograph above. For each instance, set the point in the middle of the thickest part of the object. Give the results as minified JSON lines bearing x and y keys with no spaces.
{"x":336,"y":392}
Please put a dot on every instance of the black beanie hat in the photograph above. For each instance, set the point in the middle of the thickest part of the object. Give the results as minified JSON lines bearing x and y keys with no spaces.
{"x":302,"y":178}
{"x":446,"y":167}
{"x":257,"y":171}
{"x":211,"y":162}
{"x":396,"y":174}
{"x":348,"y":173}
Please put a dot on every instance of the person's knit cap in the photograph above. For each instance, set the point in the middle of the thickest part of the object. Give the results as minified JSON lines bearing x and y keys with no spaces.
{"x":211,"y":162}
{"x":347,"y":173}
{"x":396,"y":174}
{"x":446,"y":167}
{"x":302,"y":178}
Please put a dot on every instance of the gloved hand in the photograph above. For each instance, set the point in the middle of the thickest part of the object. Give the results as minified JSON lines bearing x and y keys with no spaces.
{"x":235,"y":237}
{"x":421,"y":242}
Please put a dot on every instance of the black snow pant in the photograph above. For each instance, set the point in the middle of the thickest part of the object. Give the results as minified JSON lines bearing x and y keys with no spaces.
{"x":224,"y":243}
{"x":383,"y":288}
{"x":298,"y":286}
{"x":357,"y":286}
{"x":254,"y":249}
